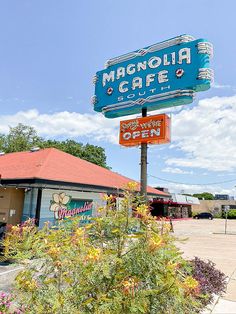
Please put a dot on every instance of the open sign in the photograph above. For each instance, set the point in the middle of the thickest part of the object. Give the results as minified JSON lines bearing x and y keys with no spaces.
{"x":152,"y":130}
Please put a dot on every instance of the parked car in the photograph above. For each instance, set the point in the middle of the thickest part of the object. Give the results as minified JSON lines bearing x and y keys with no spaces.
{"x":203,"y":216}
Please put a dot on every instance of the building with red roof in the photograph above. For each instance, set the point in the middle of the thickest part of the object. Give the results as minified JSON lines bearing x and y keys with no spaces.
{"x":48,"y":184}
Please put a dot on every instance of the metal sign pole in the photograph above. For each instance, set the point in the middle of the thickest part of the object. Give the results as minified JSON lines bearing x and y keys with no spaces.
{"x":143,"y":163}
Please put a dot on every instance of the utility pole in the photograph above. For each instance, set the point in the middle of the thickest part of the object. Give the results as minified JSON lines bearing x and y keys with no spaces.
{"x":143,"y":163}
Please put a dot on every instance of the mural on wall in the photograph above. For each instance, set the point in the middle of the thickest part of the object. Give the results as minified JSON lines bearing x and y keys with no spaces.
{"x":64,"y":206}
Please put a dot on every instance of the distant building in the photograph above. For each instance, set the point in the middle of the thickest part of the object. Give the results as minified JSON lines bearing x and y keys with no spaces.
{"x":179,"y":206}
{"x":223,"y":197}
{"x":216,"y":207}
{"x":160,"y":188}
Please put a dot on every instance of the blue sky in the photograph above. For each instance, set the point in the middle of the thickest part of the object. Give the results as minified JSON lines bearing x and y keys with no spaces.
{"x":50,"y":51}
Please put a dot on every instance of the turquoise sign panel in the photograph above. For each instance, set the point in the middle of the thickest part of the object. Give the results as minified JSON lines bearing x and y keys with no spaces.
{"x":162,"y":75}
{"x":79,"y":208}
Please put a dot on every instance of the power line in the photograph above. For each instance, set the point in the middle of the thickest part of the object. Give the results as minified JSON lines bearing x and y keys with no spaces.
{"x":176,"y":182}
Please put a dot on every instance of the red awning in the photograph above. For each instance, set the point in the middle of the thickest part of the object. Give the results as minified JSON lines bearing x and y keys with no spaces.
{"x":168,"y":202}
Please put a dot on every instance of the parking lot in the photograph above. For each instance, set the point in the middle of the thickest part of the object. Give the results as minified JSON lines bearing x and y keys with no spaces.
{"x":207,"y":240}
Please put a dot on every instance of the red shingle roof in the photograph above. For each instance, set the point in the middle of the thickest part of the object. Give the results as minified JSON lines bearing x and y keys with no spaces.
{"x":53,"y":164}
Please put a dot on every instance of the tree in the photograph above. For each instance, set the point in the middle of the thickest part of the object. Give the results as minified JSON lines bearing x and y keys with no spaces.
{"x":95,"y":154}
{"x":204,"y":196}
{"x":91,"y":153}
{"x":19,"y":138}
{"x":2,"y":142}
{"x":24,"y":137}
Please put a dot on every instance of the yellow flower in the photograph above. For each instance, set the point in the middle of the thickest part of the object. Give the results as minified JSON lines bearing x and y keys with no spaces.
{"x":155,"y":243}
{"x":166,"y":227}
{"x":30,"y":285}
{"x":191,"y":285}
{"x":54,"y":251}
{"x":129,"y":285}
{"x":142,"y":210}
{"x":107,"y":198}
{"x":93,"y":255}
{"x":172,"y":266}
{"x":79,"y":232}
{"x":58,"y":264}
{"x":190,"y":282}
{"x":100,"y":210}
{"x":132,"y":186}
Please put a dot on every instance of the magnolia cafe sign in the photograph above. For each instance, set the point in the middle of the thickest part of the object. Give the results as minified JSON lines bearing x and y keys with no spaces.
{"x":162,"y":75}
{"x":152,"y":130}
{"x":65,"y":206}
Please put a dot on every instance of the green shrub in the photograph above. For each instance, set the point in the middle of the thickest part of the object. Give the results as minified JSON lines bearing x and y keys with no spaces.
{"x":194,"y":213}
{"x":230,"y":215}
{"x":105,"y":267}
{"x":218,"y":215}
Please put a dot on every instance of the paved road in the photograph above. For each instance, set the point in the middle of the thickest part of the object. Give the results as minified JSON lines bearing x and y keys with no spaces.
{"x":206,"y":239}
{"x":7,"y":276}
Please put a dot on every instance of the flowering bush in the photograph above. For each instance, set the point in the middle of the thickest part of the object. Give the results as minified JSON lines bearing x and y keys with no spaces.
{"x":116,"y":264}
{"x":19,"y":239}
{"x":7,"y":306}
{"x":5,"y":302}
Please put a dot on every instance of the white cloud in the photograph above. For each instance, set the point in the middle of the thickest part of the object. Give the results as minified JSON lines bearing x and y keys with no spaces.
{"x":206,"y":135}
{"x":65,"y":124}
{"x":192,"y":189}
{"x":176,"y":170}
{"x":221,"y":86}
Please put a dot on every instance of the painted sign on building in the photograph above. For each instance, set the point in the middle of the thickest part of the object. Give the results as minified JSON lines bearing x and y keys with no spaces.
{"x":64,"y":206}
{"x":162,"y":75}
{"x":152,"y":130}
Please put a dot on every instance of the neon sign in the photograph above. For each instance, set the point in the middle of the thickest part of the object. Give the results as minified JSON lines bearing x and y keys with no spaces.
{"x":162,"y":75}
